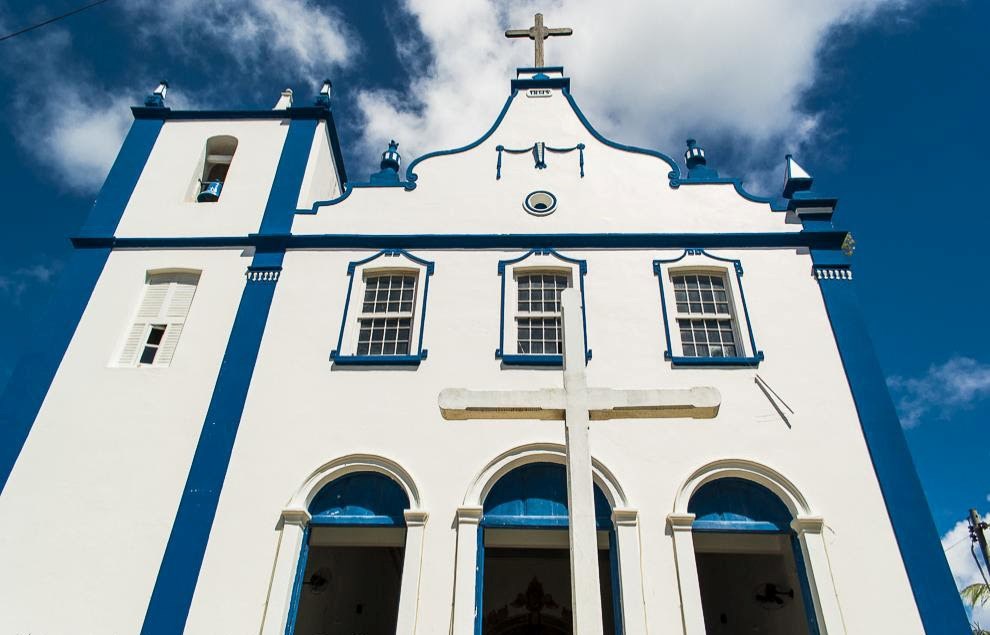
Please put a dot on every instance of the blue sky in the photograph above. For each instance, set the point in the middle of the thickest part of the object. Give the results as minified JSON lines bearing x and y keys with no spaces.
{"x":882,"y":100}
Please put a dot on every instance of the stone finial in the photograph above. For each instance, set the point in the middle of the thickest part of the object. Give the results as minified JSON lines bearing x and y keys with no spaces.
{"x":696,"y":162}
{"x":796,"y":178}
{"x":389,"y":173}
{"x":284,"y":101}
{"x":323,"y":98}
{"x":157,"y":98}
{"x":391,"y":158}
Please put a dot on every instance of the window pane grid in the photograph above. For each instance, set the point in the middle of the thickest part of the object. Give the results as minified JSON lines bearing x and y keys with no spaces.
{"x":389,"y":294}
{"x":700,"y":294}
{"x":384,"y":336}
{"x":706,"y":296}
{"x":539,"y":336}
{"x":538,"y":323}
{"x":540,"y":293}
{"x":385,"y":326}
{"x":707,"y":338}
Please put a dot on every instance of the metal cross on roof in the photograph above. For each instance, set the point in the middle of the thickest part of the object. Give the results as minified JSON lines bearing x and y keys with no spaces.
{"x":538,"y":33}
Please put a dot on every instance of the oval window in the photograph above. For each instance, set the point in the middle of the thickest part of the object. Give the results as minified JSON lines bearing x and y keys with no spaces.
{"x":540,"y":203}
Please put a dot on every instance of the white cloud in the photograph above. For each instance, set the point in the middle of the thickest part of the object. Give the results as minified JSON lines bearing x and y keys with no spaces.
{"x":82,"y":121}
{"x":295,"y":35}
{"x":647,"y":73}
{"x":956,"y":544}
{"x":956,"y":384}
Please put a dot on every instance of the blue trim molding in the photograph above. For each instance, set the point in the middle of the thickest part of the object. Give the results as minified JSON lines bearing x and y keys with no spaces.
{"x":123,"y":177}
{"x":931,"y":581}
{"x":179,"y":571}
{"x":808,"y":239}
{"x":297,"y":584}
{"x":756,"y":356}
{"x":675,"y":170}
{"x":539,"y":150}
{"x":539,"y":360}
{"x":411,"y":175}
{"x":32,"y":377}
{"x":336,"y":355}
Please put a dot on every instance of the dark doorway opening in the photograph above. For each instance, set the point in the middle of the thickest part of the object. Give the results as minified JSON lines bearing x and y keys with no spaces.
{"x":527,"y":590}
{"x":750,"y":584}
{"x":350,"y":589}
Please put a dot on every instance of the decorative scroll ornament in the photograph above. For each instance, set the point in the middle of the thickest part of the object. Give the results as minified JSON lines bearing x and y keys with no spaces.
{"x":539,"y":150}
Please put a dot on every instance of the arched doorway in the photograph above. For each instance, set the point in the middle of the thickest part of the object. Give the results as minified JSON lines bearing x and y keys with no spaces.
{"x":349,"y":575}
{"x":523,"y":585}
{"x":750,"y":568}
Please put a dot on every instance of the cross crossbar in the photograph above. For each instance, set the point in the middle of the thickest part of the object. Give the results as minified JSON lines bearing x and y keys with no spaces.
{"x":538,"y":33}
{"x":603,"y":404}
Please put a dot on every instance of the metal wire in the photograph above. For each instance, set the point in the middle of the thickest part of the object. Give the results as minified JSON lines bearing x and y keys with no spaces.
{"x":51,"y":20}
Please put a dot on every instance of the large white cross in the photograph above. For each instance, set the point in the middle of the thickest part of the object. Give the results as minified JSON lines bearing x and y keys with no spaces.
{"x":577,"y":405}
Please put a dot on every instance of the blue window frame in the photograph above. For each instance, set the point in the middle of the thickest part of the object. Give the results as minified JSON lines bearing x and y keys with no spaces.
{"x":359,"y":499}
{"x":738,"y":505}
{"x":386,"y":337}
{"x":543,"y":269}
{"x":716,"y":322}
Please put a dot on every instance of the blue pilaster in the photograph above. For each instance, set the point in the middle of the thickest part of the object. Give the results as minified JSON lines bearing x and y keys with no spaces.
{"x":931,"y":582}
{"x":179,"y":572}
{"x":288,"y":177}
{"x":46,"y":346}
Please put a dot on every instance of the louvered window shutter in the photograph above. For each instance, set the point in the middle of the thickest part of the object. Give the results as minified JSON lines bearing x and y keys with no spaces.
{"x":166,"y":302}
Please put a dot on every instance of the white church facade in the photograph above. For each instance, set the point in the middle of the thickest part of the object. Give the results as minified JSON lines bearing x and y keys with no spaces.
{"x":270,"y":398}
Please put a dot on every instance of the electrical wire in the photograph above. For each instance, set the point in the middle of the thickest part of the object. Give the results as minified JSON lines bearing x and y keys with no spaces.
{"x":957,"y":543}
{"x":979,"y":565}
{"x":51,"y":20}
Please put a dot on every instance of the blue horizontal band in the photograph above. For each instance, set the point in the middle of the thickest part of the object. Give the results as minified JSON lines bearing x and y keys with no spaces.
{"x":553,"y":82}
{"x":533,"y":360}
{"x":717,"y":361}
{"x":355,"y":521}
{"x":377,"y":360}
{"x":306,"y":112}
{"x":723,"y":526}
{"x":812,"y":240}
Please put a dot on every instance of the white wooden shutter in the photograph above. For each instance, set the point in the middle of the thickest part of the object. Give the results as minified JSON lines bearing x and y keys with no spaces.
{"x":135,"y":338}
{"x":155,"y":292}
{"x":166,"y":300}
{"x":166,"y":350}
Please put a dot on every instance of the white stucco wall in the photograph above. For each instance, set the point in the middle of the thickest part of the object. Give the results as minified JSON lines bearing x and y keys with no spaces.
{"x":89,"y":506}
{"x":164,"y":200}
{"x":301,"y":413}
{"x":620,"y":192}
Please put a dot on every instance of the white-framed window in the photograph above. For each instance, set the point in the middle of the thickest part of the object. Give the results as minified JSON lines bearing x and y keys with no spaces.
{"x":384,"y":310}
{"x":385,"y":323}
{"x":538,"y":315}
{"x":703,"y":305}
{"x":704,"y":315}
{"x":161,"y":315}
{"x":531,"y":325}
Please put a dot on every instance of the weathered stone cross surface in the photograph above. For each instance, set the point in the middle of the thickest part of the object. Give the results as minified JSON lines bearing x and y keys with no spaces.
{"x":538,"y":33}
{"x":577,"y":405}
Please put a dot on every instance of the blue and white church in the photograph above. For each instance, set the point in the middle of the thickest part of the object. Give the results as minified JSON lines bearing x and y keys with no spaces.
{"x":545,"y":383}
